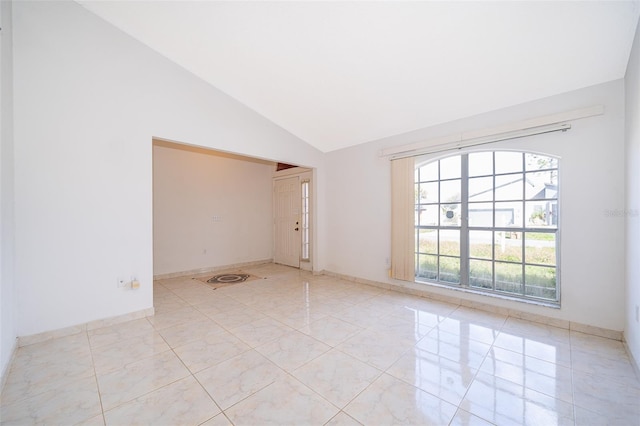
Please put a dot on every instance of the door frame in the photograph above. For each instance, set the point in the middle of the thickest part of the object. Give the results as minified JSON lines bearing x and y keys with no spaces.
{"x":304,"y":174}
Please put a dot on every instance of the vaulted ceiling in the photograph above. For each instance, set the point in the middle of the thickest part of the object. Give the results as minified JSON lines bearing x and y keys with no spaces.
{"x":337,"y":74}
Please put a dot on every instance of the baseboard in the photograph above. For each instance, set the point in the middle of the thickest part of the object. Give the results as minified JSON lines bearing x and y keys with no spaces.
{"x":597,"y":331}
{"x":634,"y":361}
{"x":106,"y":322}
{"x":527,"y":316}
{"x":80,"y":328}
{"x":5,"y":371}
{"x":210,"y":269}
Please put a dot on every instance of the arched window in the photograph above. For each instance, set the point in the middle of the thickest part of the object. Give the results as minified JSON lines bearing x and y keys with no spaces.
{"x":488,"y":221}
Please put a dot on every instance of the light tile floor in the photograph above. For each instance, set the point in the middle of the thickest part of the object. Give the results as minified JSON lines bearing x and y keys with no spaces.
{"x":298,"y":349}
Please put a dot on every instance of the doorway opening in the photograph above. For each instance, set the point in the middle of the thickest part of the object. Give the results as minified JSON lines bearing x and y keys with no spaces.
{"x":214,"y":209}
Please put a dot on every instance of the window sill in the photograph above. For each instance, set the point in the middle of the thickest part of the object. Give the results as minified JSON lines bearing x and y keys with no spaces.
{"x":553,"y":305}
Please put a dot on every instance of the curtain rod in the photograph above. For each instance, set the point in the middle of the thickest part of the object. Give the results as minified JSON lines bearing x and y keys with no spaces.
{"x":534,"y":126}
{"x":434,"y":149}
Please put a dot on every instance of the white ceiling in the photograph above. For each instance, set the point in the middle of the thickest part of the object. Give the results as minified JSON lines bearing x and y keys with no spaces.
{"x":342,"y":73}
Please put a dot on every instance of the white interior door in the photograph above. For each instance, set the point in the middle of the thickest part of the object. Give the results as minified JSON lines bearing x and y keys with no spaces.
{"x":287,"y":221}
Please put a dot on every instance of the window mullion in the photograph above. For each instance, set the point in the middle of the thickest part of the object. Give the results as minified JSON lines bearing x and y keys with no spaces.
{"x":522,"y":242}
{"x":464,"y":222}
{"x":493,"y":224}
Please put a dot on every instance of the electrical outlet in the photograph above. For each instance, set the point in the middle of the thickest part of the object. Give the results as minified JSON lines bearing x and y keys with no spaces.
{"x":135,"y":284}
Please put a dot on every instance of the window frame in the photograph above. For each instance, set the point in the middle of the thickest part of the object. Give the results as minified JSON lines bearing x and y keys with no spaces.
{"x":465,"y":229}
{"x":305,"y":219}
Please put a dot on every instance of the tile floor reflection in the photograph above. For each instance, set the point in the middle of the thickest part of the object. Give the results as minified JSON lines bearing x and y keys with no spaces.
{"x":299,"y":349}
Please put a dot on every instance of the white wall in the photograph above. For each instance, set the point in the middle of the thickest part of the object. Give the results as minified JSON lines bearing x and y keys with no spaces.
{"x":88,"y":101}
{"x":632,"y":155}
{"x":7,"y":293}
{"x":190,"y":187}
{"x":592,"y":182}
